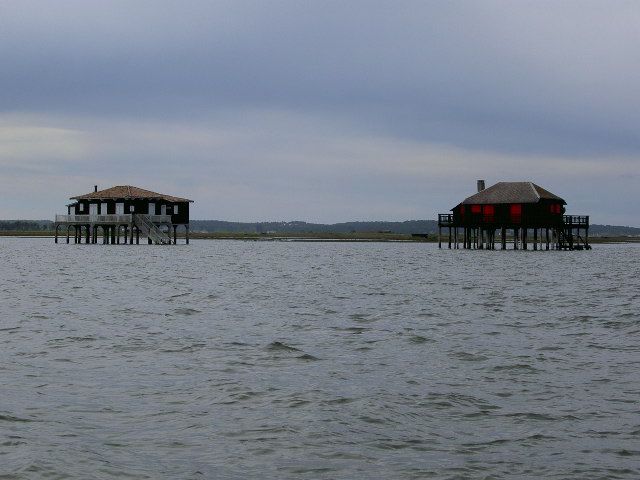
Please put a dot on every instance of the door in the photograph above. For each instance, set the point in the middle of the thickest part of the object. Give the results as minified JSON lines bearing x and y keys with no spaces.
{"x":152,"y":208}
{"x":103,"y":208}
{"x":119,"y":208}
{"x":93,"y":209}
{"x":163,"y":210}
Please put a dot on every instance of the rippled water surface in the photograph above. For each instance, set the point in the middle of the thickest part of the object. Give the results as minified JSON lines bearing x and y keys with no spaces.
{"x":227,"y":359}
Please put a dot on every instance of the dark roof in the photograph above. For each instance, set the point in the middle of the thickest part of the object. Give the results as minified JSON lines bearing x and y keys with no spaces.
{"x":127,"y":192}
{"x":512,"y":192}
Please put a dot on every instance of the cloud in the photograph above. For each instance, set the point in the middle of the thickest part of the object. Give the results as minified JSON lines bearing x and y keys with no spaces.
{"x":23,"y":143}
{"x":561,"y":77}
{"x":323,"y":110}
{"x":284,"y":165}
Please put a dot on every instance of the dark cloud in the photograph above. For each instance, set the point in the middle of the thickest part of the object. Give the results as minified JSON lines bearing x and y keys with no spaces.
{"x":538,"y":77}
{"x":516,"y":80}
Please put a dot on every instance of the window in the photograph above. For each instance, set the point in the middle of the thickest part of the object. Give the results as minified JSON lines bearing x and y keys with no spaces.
{"x":488,"y":213}
{"x":556,"y":208}
{"x":476,"y":209}
{"x":175,"y":209}
{"x":132,"y":208}
{"x":515,"y":211}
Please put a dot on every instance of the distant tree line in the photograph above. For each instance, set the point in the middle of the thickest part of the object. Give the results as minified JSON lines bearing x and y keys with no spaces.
{"x":407,"y":227}
{"x":25,"y":225}
{"x":612,"y":230}
{"x":218,"y":226}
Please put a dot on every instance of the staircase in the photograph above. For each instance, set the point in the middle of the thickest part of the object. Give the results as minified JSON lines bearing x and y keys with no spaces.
{"x":148,"y":228}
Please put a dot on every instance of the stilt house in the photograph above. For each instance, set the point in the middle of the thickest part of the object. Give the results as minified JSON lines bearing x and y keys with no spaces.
{"x":124,"y":212}
{"x":520,"y":207}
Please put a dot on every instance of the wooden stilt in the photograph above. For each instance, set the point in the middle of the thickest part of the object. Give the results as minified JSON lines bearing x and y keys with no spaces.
{"x":586,"y":238}
{"x":547,"y":237}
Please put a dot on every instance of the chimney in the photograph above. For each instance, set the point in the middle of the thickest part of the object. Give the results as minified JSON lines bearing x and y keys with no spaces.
{"x":95,"y":187}
{"x":480,"y":185}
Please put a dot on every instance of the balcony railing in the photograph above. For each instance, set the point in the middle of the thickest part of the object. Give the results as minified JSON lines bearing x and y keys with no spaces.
{"x":160,"y":218}
{"x":445,"y":219}
{"x":93,"y":218}
{"x":448,"y":220}
{"x":104,"y":219}
{"x":576,"y":220}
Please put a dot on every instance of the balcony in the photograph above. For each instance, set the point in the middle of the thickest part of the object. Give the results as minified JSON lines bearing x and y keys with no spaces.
{"x":108,"y":219}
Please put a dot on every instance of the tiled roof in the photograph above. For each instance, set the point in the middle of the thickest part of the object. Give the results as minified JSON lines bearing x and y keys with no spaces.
{"x":127,"y":192}
{"x":512,"y":192}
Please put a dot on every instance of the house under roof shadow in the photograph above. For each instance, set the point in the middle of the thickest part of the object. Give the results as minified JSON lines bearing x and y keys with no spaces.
{"x":124,"y":213}
{"x":519,"y":207}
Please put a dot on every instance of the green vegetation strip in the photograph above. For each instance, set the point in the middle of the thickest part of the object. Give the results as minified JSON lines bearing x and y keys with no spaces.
{"x":319,"y":236}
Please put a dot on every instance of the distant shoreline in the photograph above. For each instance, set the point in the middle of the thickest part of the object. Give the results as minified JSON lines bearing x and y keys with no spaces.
{"x":312,"y":237}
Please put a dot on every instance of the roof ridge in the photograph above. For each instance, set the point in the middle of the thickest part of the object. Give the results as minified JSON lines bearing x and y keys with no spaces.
{"x":535,"y":190}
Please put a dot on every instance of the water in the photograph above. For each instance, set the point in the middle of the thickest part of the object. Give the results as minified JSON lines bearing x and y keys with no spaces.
{"x":267,"y":360}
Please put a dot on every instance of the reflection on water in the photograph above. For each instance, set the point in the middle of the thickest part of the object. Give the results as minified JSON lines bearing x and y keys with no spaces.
{"x":227,"y":359}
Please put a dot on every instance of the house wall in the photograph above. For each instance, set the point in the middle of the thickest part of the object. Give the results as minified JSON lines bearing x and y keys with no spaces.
{"x":135,"y":206}
{"x":532,"y":215}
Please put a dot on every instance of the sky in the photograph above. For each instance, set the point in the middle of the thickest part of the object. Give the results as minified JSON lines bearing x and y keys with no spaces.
{"x":322,"y":111}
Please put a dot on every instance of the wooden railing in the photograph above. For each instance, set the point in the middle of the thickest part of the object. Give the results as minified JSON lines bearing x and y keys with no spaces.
{"x":159,"y":218}
{"x":149,"y":228}
{"x":106,"y":219}
{"x":126,"y":218}
{"x":576,"y":220}
{"x":447,"y":220}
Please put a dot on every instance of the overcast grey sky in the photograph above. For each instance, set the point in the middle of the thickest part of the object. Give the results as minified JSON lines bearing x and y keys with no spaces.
{"x":320,"y":110}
